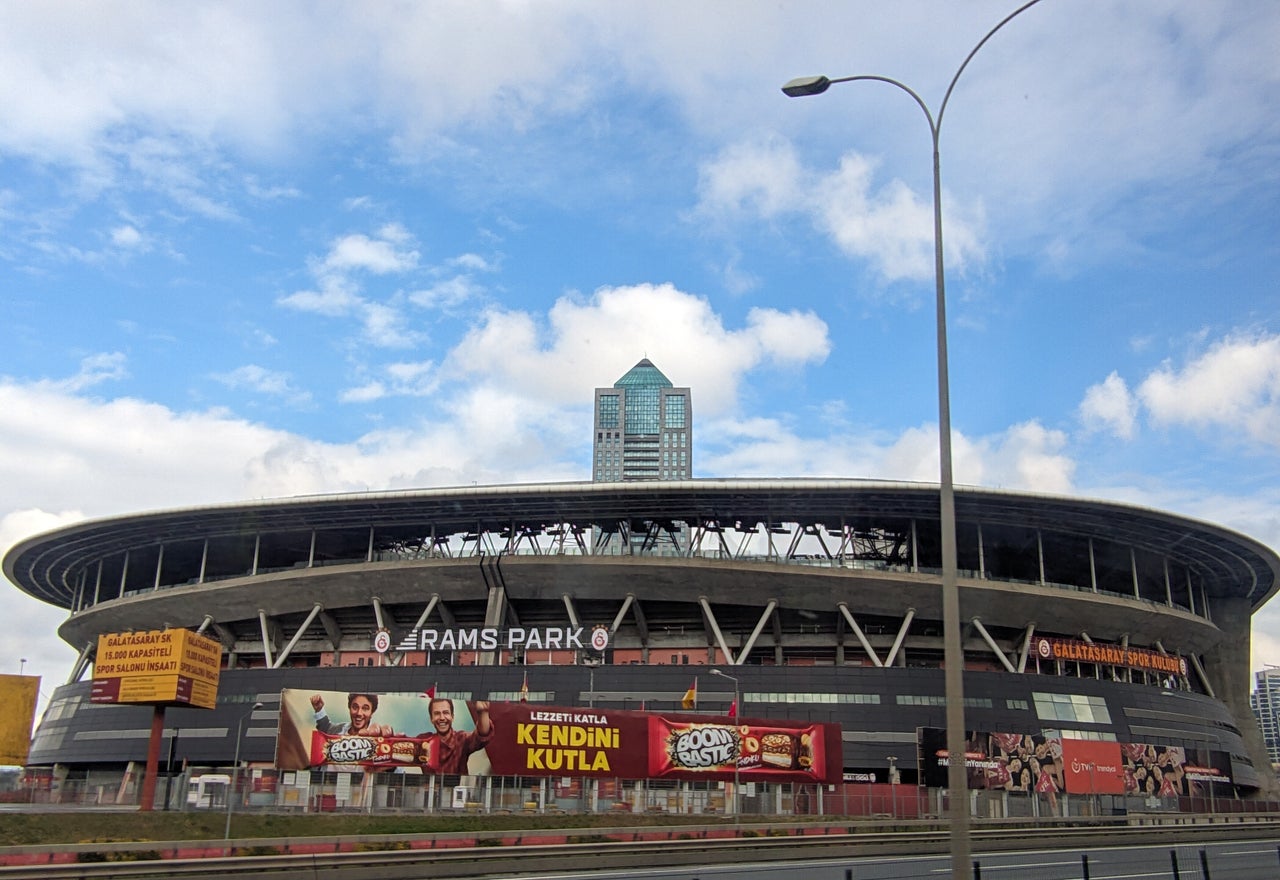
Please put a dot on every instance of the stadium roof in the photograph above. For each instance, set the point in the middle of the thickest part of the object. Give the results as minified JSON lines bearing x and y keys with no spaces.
{"x":1232,"y":564}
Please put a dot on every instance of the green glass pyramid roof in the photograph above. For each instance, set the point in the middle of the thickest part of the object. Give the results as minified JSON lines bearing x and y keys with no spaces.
{"x":643,"y":375}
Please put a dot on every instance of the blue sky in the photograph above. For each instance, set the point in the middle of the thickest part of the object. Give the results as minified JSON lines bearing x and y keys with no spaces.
{"x":254,"y":251}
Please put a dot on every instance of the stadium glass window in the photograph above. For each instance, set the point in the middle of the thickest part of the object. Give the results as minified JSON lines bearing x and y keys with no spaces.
{"x":764,"y":697}
{"x":1079,"y":708}
{"x":1020,"y":705}
{"x":1095,"y":735}
{"x":926,"y":700}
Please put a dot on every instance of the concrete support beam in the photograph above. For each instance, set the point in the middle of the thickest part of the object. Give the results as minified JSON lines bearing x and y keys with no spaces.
{"x":622,"y":612}
{"x":860,"y":635}
{"x":991,"y":643}
{"x":288,"y":649}
{"x":82,"y":662}
{"x":755,"y":633}
{"x":1026,"y":647}
{"x":266,"y":637}
{"x":710,"y":618}
{"x":332,"y":631}
{"x":902,"y":634}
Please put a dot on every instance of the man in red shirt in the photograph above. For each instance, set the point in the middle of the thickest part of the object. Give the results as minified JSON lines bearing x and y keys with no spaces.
{"x":454,"y":747}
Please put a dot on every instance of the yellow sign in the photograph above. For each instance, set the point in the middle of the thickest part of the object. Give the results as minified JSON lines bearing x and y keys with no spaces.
{"x":157,"y":666}
{"x":18,"y":696}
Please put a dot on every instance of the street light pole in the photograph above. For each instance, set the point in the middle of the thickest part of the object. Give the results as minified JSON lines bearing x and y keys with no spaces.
{"x":953,"y":648}
{"x":737,"y":759}
{"x":235,"y":770}
{"x":893,"y":782}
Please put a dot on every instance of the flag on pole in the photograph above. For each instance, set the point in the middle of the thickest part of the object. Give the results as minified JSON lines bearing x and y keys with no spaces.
{"x":733,"y":709}
{"x":430,"y":693}
{"x":524,"y":689}
{"x":690,"y":700}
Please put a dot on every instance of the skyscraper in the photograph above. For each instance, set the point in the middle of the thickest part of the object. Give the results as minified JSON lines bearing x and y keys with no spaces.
{"x":1265,"y":702}
{"x":644,"y":428}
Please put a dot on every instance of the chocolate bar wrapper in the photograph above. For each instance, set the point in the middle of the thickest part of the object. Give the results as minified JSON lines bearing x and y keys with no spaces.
{"x":683,"y":748}
{"x":374,"y":752}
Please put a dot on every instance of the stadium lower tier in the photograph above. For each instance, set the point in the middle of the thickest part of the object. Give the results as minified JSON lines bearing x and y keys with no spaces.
{"x":890,"y":720}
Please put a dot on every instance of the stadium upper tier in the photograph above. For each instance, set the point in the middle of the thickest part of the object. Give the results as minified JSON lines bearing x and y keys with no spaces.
{"x":751,"y":537}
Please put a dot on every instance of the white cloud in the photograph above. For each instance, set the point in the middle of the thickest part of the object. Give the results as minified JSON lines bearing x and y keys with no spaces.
{"x":763,"y":179}
{"x":1030,"y":456}
{"x":1108,"y":406}
{"x":366,"y":393}
{"x":29,"y":624}
{"x":94,"y":370}
{"x":1234,"y":386}
{"x":1026,"y":456}
{"x":127,"y":237}
{"x":446,"y":294}
{"x":790,"y":338}
{"x":381,"y":255}
{"x":263,"y":381}
{"x":605,"y":336}
{"x":382,"y":323}
{"x":335,"y":297}
{"x":386,"y":327}
{"x":472,"y":262}
{"x":64,"y":457}
{"x":889,"y":227}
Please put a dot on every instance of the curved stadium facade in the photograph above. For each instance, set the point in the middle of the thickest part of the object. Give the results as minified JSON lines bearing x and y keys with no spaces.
{"x":1096,"y":620}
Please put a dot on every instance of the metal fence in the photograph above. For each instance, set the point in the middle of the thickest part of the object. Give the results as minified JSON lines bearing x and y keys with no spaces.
{"x":393,"y":792}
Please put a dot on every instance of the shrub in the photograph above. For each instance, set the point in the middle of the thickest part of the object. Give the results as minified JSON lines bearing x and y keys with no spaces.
{"x":381,"y":845}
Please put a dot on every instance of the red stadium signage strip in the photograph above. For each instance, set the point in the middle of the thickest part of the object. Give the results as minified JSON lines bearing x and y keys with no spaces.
{"x":1110,"y":655}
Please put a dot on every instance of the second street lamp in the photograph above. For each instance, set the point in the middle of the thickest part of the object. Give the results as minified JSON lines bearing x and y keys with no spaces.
{"x":235,"y":770}
{"x":953,"y":648}
{"x":737,"y":759}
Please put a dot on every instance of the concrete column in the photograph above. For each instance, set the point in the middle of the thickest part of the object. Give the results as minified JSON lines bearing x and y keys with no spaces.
{"x":1227,"y":668}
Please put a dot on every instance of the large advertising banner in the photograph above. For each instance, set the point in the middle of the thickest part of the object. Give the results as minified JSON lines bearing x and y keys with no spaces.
{"x":1092,"y":767}
{"x":1010,"y":761}
{"x":18,"y":696}
{"x":439,"y":735}
{"x":1046,"y":764}
{"x":1172,"y":771}
{"x":362,"y":730}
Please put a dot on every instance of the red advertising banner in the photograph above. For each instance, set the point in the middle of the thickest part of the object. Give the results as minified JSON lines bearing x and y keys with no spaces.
{"x":1091,"y":767}
{"x":1045,"y":764}
{"x":548,"y":741}
{"x":386,"y":732}
{"x":1173,"y":771}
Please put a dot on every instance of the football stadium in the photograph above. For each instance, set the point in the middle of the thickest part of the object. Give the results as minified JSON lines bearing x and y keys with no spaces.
{"x":693,"y":645}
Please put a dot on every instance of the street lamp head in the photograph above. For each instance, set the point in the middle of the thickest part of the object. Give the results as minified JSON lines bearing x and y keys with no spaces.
{"x":806,"y":85}
{"x":257,"y":706}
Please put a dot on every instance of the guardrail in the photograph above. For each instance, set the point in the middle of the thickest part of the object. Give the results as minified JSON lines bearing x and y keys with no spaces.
{"x":386,"y":857}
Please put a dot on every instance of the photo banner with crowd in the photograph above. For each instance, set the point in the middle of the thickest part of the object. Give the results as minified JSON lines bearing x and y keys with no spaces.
{"x":438,"y":735}
{"x":1047,"y":764}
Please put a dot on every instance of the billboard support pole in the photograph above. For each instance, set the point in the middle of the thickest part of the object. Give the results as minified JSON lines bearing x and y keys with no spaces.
{"x":148,"y":797}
